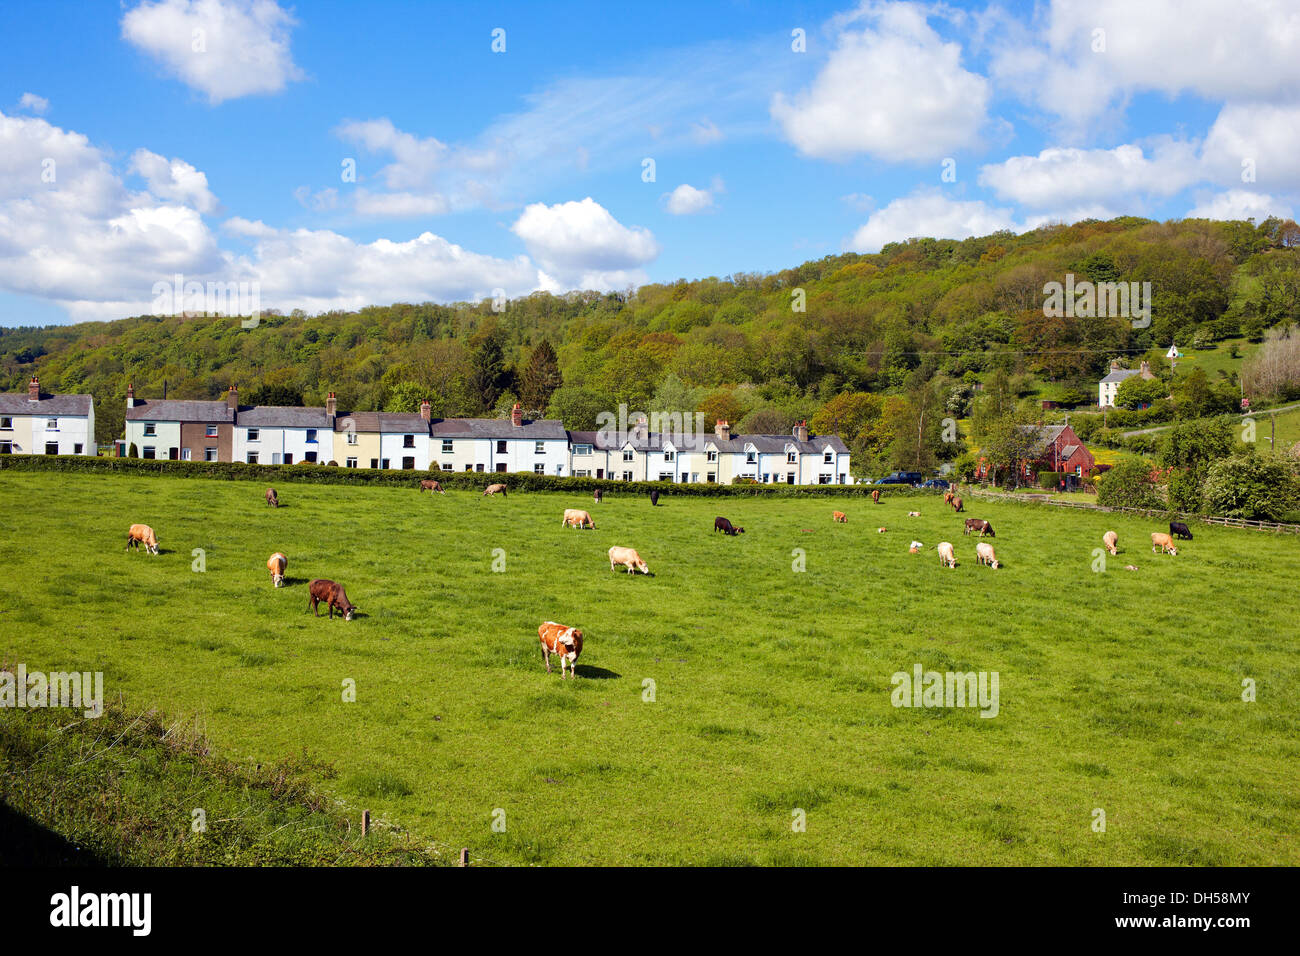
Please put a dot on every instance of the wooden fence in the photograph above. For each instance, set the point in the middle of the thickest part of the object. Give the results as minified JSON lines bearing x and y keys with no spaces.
{"x":1273,"y":526}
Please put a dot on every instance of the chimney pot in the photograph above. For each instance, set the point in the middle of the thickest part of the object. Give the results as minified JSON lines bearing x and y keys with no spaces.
{"x":331,"y":405}
{"x":517,"y":415}
{"x":801,"y":431}
{"x":130,"y":395}
{"x":723,"y":429}
{"x":232,"y":397}
{"x":426,"y":410}
{"x":34,"y":390}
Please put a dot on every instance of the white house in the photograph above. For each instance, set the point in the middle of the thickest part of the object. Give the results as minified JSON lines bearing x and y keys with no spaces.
{"x":274,"y":435}
{"x":1108,"y":387}
{"x":497,"y":445}
{"x":33,"y":424}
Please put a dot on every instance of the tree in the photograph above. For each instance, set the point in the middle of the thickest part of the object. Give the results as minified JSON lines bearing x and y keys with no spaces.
{"x":1195,"y":444}
{"x":1006,"y":443}
{"x":488,"y":376}
{"x":673,"y":395}
{"x":404,"y":398}
{"x":1136,"y":391}
{"x":1274,"y":371}
{"x":578,"y":407}
{"x":1128,"y":485}
{"x":1252,"y":486}
{"x":281,"y":395}
{"x":721,"y":406}
{"x":540,"y":377}
{"x":846,"y":415}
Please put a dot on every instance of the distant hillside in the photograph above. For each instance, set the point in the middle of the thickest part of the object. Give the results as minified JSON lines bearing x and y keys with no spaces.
{"x":932,"y":312}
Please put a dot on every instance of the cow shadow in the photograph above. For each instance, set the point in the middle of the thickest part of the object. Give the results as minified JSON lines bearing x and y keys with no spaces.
{"x":25,"y":842}
{"x":596,"y":673}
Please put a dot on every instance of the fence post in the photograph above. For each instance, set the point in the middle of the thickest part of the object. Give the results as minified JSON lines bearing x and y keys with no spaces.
{"x":464,"y":856}
{"x":365,"y":822}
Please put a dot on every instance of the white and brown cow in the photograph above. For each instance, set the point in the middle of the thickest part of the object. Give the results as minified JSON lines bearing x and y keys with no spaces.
{"x":984,"y":554}
{"x":563,"y":641}
{"x":575,"y":518}
{"x":1111,"y":540}
{"x":628,"y":558}
{"x":276,"y":564}
{"x":946,"y":557}
{"x":1161,"y":542}
{"x":142,"y":534}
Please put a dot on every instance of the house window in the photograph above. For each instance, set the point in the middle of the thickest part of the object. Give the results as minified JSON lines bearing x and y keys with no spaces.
{"x":824,"y":479}
{"x":309,"y":456}
{"x":446,"y":466}
{"x":539,"y":448}
{"x":446,"y":446}
{"x":311,"y":436}
{"x":480,"y":467}
{"x":711,"y":478}
{"x":791,"y":458}
{"x":51,"y":424}
{"x":751,"y":458}
{"x":581,"y":473}
{"x":501,"y":467}
{"x":383,"y":463}
{"x":670,"y":455}
{"x":76,"y":449}
{"x":209,"y":454}
{"x":408,"y":463}
{"x":6,"y":448}
{"x":629,"y":455}
{"x":828,"y":458}
{"x":6,"y":424}
{"x":252,"y":458}
{"x":352,"y":438}
{"x":374,"y":462}
{"x":665,"y":476}
{"x":789,"y":478}
{"x":627,"y":476}
{"x":582,"y":449}
{"x":254,"y":434}
{"x":1078,"y":471}
{"x":408,"y":441}
{"x":539,"y":469}
{"x":148,"y":452}
{"x":501,"y":446}
{"x":469,"y":467}
{"x":51,"y":448}
{"x":349,"y":463}
{"x":150,"y":429}
{"x":185,"y":453}
{"x":211,"y":432}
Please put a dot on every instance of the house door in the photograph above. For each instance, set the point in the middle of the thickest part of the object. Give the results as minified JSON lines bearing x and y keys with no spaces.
{"x":600,"y":472}
{"x":174,"y":454}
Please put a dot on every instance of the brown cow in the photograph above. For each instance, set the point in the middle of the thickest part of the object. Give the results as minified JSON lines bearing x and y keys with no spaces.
{"x":839,"y":517}
{"x":272,"y":498}
{"x":598,"y":496}
{"x":142,"y":534}
{"x":947,"y":497}
{"x":276,"y":564}
{"x":980,"y":525}
{"x":577,"y":519}
{"x":334,"y":597}
{"x":1161,"y":542}
{"x":956,"y":504}
{"x":875,"y":495}
{"x":566,"y":642}
{"x":493,"y":489}
{"x":430,"y":484}
{"x":628,"y":558}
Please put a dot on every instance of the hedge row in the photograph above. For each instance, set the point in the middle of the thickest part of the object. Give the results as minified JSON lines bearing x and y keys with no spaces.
{"x":465,"y":480}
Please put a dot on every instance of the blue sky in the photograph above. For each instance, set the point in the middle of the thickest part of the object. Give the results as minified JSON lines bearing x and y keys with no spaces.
{"x":207,"y":138}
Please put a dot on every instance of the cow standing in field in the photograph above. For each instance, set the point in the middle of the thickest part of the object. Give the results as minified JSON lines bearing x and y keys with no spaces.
{"x":1161,"y":543}
{"x":979,"y":525}
{"x":1179,"y":530}
{"x":839,"y":517}
{"x":142,"y":534}
{"x":1111,"y":540}
{"x":875,"y":495}
{"x":272,"y":498}
{"x":984,"y":554}
{"x":334,"y":597}
{"x":946,"y":557}
{"x":431,"y":484}
{"x":947,"y":497}
{"x":598,"y":496}
{"x":566,"y":642}
{"x":956,"y":505}
{"x":494,"y":489}
{"x":577,"y":519}
{"x":276,"y":564}
{"x":654,"y":497}
{"x":725,"y":526}
{"x":628,"y":558}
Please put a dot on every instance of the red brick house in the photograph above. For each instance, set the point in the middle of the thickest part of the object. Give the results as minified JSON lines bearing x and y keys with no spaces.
{"x":1057,"y":448}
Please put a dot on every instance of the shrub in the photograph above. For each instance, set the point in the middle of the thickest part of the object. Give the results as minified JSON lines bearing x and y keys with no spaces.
{"x":1252,"y":486}
{"x":1184,"y":492}
{"x":1128,"y":485}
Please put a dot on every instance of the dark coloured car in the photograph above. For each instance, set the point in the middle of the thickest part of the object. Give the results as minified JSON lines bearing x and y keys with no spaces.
{"x":938,"y":483}
{"x":901,"y":478}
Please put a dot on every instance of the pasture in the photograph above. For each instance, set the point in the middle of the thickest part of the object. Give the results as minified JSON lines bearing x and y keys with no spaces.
{"x":1119,"y":690}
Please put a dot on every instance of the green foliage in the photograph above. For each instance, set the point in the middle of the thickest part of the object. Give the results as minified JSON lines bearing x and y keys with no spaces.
{"x":540,"y":377}
{"x":1183,"y":490}
{"x":404,"y":397}
{"x":1252,"y":485}
{"x":1137,"y":391}
{"x":1128,"y":485}
{"x":1195,"y":444}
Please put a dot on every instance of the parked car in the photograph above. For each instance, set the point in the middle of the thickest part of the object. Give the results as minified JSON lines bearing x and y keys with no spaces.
{"x":938,"y":483}
{"x":901,"y":478}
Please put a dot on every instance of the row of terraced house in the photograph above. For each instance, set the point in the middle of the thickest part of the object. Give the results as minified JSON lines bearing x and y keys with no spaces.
{"x":183,"y":430}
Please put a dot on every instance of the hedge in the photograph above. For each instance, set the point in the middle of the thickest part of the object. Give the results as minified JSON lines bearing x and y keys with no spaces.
{"x":463,"y":480}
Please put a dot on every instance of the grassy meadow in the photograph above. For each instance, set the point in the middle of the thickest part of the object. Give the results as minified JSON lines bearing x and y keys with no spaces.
{"x":1119,"y":690}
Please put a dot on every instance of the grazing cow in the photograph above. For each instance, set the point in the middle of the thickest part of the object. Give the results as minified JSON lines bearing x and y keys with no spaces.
{"x":1111,"y":540}
{"x":654,"y":497}
{"x":142,"y":534}
{"x":947,"y":497}
{"x":946,"y":558}
{"x":628,"y":558}
{"x":334,"y":597}
{"x":272,"y":498}
{"x":276,"y":564}
{"x":980,"y":525}
{"x":1162,"y":542}
{"x":578,"y":519}
{"x":598,"y":496}
{"x":1179,"y":530}
{"x":875,"y":495}
{"x":566,"y":642}
{"x":984,"y":554}
{"x":839,"y":517}
{"x":493,"y":489}
{"x":915,"y":547}
{"x":431,"y":484}
{"x":956,"y":505}
{"x":725,"y":526}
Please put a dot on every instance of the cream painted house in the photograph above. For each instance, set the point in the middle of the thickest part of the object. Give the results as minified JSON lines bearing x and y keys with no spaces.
{"x":34,"y":424}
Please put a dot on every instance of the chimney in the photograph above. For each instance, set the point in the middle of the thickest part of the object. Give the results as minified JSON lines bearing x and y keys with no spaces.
{"x":723,"y":430}
{"x":331,"y":405}
{"x":232,"y":397}
{"x":641,"y":430}
{"x":1114,"y":364}
{"x":426,"y":410}
{"x":34,"y":390}
{"x":801,"y":431}
{"x":517,"y":415}
{"x":1145,"y":369}
{"x":130,"y":395}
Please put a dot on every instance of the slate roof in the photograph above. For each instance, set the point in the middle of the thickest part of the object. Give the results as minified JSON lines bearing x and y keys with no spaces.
{"x":168,"y":410}
{"x":765,"y":444}
{"x":387,"y":423}
{"x":279,"y":416}
{"x":51,"y":405}
{"x":1120,"y":374}
{"x":494,"y":428}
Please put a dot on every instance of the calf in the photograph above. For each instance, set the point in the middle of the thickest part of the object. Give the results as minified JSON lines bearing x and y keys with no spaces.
{"x":654,"y":497}
{"x":723,"y":525}
{"x":142,"y":534}
{"x":914,"y":514}
{"x":493,"y":489}
{"x":947,"y":497}
{"x":566,"y":642}
{"x":946,"y":558}
{"x":1111,"y":540}
{"x":1179,"y":530}
{"x":431,"y":484}
{"x":272,"y":498}
{"x":956,"y":504}
{"x":915,"y":547}
{"x":839,"y":517}
{"x":628,"y":558}
{"x":276,"y":564}
{"x":980,"y":525}
{"x":598,"y":496}
{"x":875,"y":495}
{"x":334,"y":597}
{"x":577,"y":519}
{"x":1162,"y":543}
{"x":984,"y":554}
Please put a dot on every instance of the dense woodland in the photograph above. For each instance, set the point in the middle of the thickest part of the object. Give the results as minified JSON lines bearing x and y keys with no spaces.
{"x":885,"y":347}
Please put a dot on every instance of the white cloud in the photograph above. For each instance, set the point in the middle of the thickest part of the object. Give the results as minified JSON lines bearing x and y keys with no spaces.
{"x":706,"y":132}
{"x":894,"y":90}
{"x":686,"y":200}
{"x":175,"y":180}
{"x":1266,"y":135}
{"x":225,"y":49}
{"x":1061,"y":176}
{"x":579,"y":244}
{"x":401,"y":205}
{"x":928,"y":214}
{"x":33,"y":103}
{"x":1240,"y":204}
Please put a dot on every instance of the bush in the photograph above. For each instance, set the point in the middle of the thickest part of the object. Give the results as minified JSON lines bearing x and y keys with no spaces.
{"x":1253,"y":486}
{"x":1142,"y":444}
{"x":1184,"y":492}
{"x":1128,"y":485}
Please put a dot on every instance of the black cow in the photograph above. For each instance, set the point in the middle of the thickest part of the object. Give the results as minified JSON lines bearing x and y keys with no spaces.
{"x":1179,"y":530}
{"x":654,"y":497}
{"x":723,"y":525}
{"x":980,"y":525}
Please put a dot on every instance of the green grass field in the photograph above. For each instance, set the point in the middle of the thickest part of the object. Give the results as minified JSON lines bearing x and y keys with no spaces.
{"x":1119,"y":691}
